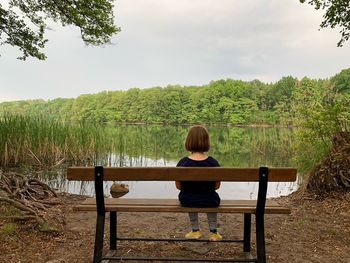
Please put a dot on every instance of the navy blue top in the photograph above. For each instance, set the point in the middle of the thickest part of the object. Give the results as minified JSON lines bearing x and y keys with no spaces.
{"x":209,"y":162}
{"x":198,"y":193}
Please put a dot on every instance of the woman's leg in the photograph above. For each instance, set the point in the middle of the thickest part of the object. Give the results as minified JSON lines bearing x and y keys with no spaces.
{"x":194,"y":221}
{"x":194,"y":233}
{"x":212,"y":221}
{"x":213,"y":224}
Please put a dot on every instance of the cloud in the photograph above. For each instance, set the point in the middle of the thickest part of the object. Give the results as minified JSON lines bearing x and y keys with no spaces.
{"x":181,"y":42}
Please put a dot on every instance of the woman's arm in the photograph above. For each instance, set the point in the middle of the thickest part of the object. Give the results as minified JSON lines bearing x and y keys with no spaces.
{"x":217,"y":185}
{"x":178,"y":185}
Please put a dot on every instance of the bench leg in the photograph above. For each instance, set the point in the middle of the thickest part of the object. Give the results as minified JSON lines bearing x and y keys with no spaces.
{"x":247,"y":231}
{"x":113,"y":230}
{"x":260,"y":239}
{"x":100,"y":225}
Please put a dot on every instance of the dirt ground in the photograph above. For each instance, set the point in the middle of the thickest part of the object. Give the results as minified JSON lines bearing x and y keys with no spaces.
{"x":318,"y":230}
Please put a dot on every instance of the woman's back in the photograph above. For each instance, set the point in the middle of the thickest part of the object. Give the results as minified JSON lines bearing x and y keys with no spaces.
{"x":198,"y":186}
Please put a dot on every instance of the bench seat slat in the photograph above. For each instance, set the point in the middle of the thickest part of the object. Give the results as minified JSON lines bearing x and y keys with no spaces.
{"x":181,"y":173}
{"x":172,"y":205}
{"x":171,"y":202}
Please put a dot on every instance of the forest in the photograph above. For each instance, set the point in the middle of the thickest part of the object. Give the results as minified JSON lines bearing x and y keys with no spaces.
{"x":221,"y":102}
{"x":227,"y":101}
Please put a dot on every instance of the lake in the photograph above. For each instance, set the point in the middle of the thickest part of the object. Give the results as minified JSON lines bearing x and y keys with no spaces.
{"x":160,"y":145}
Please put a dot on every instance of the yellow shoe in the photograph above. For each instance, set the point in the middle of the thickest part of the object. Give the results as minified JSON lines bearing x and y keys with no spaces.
{"x":193,"y":235}
{"x":214,"y":236}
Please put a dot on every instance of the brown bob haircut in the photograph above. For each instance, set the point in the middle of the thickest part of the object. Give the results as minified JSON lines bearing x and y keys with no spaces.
{"x":197,"y":139}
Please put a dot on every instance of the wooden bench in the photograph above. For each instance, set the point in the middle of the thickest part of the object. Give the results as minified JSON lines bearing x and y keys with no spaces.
{"x":259,"y":207}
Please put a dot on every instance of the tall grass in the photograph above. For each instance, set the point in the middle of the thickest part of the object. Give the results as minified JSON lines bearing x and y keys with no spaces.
{"x":43,"y":141}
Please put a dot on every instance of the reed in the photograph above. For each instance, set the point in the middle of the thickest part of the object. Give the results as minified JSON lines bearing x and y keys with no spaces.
{"x":43,"y":141}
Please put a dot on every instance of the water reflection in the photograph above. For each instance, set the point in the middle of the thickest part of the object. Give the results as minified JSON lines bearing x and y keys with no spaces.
{"x":156,"y":145}
{"x":227,"y":190}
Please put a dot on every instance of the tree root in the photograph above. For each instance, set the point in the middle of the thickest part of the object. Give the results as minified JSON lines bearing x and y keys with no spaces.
{"x":24,"y":218}
{"x":17,"y":205}
{"x":28,"y":196}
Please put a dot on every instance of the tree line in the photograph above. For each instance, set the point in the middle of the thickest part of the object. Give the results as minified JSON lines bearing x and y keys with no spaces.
{"x":227,"y":101}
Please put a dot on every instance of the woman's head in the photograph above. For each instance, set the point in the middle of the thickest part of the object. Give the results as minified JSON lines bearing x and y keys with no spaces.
{"x":197,"y":139}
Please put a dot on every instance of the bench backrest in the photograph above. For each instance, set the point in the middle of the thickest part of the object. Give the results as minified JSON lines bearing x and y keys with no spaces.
{"x":261,"y":175}
{"x":181,"y":174}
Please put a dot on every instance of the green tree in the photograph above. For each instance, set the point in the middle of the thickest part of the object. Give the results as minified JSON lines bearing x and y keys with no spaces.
{"x":23,"y":22}
{"x":280,"y":97}
{"x":337,"y":15}
{"x":320,"y":112}
{"x":342,"y":81}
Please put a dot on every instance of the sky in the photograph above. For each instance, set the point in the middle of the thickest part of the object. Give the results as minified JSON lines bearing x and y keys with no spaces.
{"x":181,"y":42}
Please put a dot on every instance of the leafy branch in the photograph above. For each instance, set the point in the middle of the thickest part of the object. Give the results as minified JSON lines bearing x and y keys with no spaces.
{"x":337,"y":15}
{"x":23,"y":22}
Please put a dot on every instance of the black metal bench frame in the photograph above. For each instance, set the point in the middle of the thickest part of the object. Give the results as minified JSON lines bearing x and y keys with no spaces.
{"x":259,"y":219}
